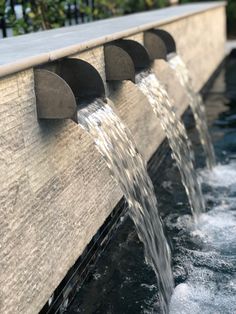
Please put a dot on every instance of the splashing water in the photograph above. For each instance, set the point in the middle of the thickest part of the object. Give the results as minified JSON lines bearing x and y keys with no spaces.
{"x":177,"y":137}
{"x":220,"y":176}
{"x":116,"y":145}
{"x":211,"y":284}
{"x":198,"y":108}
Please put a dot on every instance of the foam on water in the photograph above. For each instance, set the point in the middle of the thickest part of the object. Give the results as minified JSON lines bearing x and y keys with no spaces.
{"x":210,"y":287}
{"x":220,"y":176}
{"x":219,"y":229}
{"x":199,"y":298}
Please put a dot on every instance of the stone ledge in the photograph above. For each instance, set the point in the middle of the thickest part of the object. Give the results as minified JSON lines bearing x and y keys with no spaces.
{"x":37,"y":48}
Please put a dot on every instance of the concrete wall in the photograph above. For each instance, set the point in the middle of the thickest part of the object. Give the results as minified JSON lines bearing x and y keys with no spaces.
{"x":200,"y":42}
{"x":55,"y":188}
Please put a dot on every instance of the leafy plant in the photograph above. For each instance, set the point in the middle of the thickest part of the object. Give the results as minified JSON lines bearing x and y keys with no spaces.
{"x":231,"y":17}
{"x":38,"y":15}
{"x":48,"y":14}
{"x":2,"y":7}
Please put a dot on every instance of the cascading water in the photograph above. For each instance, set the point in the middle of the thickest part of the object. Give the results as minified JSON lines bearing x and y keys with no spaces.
{"x":177,"y":137}
{"x":115,"y":143}
{"x":198,"y":108}
{"x":204,"y":252}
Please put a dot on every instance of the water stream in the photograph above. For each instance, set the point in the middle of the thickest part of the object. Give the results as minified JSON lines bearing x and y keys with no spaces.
{"x":197,"y":106}
{"x":116,"y":145}
{"x":177,"y":137}
{"x":203,"y":251}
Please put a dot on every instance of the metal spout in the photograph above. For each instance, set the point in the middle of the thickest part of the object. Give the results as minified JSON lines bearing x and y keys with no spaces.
{"x":54,"y":97}
{"x":159,"y":44}
{"x":123,"y":58}
{"x":63,"y":85}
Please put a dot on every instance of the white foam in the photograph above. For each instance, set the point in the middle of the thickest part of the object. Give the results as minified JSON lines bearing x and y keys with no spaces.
{"x":211,"y":284}
{"x":220,"y":176}
{"x":218,"y":226}
{"x":197,"y":298}
{"x":181,"y":301}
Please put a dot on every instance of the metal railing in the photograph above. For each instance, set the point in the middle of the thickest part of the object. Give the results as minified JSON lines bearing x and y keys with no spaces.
{"x":13,"y":11}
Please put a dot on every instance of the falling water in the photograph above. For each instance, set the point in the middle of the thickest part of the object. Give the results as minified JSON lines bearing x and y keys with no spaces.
{"x":177,"y":136}
{"x":197,"y":106}
{"x":115,"y":143}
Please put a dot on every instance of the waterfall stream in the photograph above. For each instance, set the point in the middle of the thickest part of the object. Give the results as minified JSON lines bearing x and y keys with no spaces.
{"x":177,"y":137}
{"x":197,"y":105}
{"x":116,"y":145}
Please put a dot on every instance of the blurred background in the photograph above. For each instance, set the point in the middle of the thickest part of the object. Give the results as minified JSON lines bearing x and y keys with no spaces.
{"x":25,"y":16}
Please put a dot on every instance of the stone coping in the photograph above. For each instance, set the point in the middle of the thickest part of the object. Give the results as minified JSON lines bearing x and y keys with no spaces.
{"x":25,"y":51}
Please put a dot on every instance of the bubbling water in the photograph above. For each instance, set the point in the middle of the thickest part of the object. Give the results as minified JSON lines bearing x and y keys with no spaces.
{"x":115,"y":143}
{"x":211,"y":284}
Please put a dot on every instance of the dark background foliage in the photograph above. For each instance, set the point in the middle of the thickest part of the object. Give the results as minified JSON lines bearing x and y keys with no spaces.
{"x":24,"y":16}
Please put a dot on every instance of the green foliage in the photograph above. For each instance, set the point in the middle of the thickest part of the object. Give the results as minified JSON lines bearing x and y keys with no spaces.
{"x":231,"y":16}
{"x":140,"y":5}
{"x":47,"y":14}
{"x":38,"y":15}
{"x":107,"y":8}
{"x":2,"y":7}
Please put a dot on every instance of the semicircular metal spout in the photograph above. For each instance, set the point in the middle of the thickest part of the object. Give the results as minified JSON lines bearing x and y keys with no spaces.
{"x":159,"y":43}
{"x":54,"y":97}
{"x":123,"y":58}
{"x":84,"y":80}
{"x":118,"y":64}
{"x":63,"y":85}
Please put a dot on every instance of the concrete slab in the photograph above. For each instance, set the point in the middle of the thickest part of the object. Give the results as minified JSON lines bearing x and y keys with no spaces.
{"x":22,"y":52}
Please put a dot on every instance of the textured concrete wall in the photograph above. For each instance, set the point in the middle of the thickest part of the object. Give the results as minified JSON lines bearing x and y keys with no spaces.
{"x":55,"y":188}
{"x":200,"y":42}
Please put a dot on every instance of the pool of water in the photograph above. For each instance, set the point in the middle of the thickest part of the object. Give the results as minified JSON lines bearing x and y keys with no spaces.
{"x":204,"y":254}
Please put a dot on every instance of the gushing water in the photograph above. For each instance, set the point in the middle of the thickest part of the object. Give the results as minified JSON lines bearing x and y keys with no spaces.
{"x":116,"y":145}
{"x":210,"y":286}
{"x":177,"y":137}
{"x":198,"y":108}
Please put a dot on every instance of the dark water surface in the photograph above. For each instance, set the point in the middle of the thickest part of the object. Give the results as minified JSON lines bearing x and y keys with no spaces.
{"x":204,"y":255}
